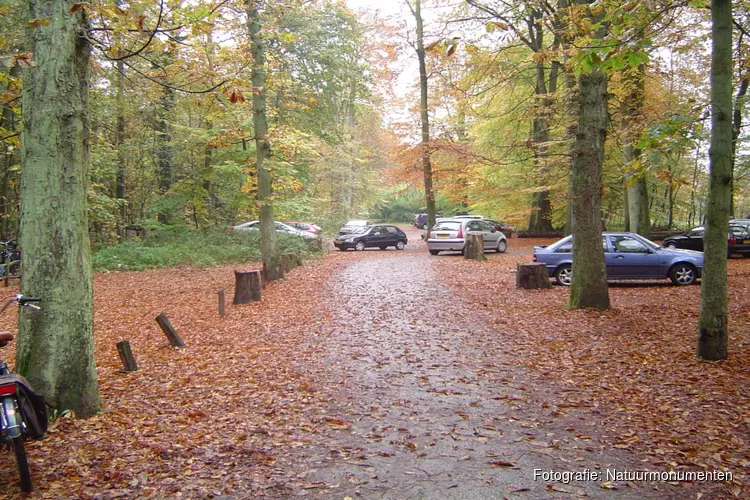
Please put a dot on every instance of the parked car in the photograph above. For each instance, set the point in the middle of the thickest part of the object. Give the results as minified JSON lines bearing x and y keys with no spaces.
{"x":470,"y":217}
{"x":282,"y":228}
{"x":305,"y":226}
{"x":738,"y":239}
{"x":627,"y":256}
{"x":449,"y":235}
{"x":507,"y":229}
{"x":379,"y":236}
{"x":353,"y":226}
{"x":420,"y":220}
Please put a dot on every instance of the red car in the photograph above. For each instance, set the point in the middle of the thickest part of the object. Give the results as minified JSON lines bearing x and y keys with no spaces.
{"x":305,"y":226}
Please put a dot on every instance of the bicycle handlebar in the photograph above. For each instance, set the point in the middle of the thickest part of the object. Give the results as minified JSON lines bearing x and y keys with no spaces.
{"x":22,"y":301}
{"x":25,"y":300}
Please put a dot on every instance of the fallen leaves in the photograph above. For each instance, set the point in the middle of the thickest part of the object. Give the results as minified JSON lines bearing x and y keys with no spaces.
{"x":634,"y":363}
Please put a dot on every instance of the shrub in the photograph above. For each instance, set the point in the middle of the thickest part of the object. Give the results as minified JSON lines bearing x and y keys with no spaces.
{"x":168,"y":246}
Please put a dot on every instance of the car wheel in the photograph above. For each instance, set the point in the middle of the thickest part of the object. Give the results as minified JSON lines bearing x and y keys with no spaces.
{"x":671,"y":245}
{"x":400,"y":245}
{"x":564,"y":275}
{"x":360,"y":245}
{"x":424,"y":226}
{"x":434,"y":252}
{"x":502,"y":245}
{"x":683,"y":274}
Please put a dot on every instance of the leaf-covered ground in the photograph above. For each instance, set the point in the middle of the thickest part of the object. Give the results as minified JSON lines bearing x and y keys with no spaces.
{"x":257,"y":404}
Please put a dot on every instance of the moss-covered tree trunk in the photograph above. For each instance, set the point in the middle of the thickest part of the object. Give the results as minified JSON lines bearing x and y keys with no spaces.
{"x":268,"y":247}
{"x":589,"y":287}
{"x":712,"y":323}
{"x":635,"y":175}
{"x":55,"y":349}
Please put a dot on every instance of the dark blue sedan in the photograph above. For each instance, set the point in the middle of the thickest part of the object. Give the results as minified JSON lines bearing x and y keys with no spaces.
{"x":627,"y":256}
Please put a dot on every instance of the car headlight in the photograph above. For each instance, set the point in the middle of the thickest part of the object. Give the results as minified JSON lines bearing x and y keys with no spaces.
{"x":349,"y":240}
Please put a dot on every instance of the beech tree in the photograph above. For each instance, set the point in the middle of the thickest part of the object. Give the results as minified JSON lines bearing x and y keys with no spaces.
{"x":424,"y":115}
{"x":588,"y":132}
{"x":269,"y":252}
{"x":55,"y":349}
{"x":713,"y":321}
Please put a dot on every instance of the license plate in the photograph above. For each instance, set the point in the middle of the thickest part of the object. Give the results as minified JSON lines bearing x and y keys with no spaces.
{"x":442,"y":235}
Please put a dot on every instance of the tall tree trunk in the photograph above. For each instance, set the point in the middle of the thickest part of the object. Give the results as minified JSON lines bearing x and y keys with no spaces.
{"x":713,"y":321}
{"x":589,"y":287}
{"x":429,"y":191}
{"x":55,"y":350}
{"x":589,"y":112}
{"x":164,"y":150}
{"x":8,"y":125}
{"x":119,"y":142}
{"x":542,"y":117}
{"x":268,"y":247}
{"x":736,"y":128}
{"x":635,"y":175}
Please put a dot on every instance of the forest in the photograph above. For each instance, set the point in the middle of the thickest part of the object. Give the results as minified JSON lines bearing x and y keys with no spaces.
{"x":136,"y":133}
{"x":171,"y":135}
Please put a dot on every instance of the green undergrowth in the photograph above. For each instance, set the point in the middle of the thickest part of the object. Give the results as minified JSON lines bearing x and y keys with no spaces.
{"x":170,"y":246}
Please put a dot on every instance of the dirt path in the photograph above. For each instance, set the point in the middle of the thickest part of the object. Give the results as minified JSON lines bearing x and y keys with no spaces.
{"x":425,"y":408}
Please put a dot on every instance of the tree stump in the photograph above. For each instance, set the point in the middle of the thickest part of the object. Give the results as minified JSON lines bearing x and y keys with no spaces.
{"x":532,"y":275}
{"x":272,"y":273}
{"x":247,"y":286}
{"x":126,"y":356}
{"x":169,"y":331}
{"x":474,"y":246}
{"x":290,"y":260}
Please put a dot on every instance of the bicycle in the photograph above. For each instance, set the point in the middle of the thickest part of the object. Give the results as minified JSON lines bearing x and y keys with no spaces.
{"x":23,"y":413}
{"x":10,"y":258}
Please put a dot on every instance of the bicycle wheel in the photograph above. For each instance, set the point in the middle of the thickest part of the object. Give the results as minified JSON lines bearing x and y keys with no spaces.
{"x":22,"y":463}
{"x":14,"y":268}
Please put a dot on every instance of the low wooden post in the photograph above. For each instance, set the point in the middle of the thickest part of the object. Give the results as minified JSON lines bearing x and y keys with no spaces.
{"x":169,"y":331}
{"x":126,"y":356}
{"x":221,"y":302}
{"x":247,"y":286}
{"x":474,"y":247}
{"x":532,"y":275}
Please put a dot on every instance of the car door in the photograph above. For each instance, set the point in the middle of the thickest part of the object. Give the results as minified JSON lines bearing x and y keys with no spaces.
{"x":628,"y":257}
{"x":489,"y":233}
{"x":378,"y":237}
{"x":391,"y":236}
{"x":693,"y":240}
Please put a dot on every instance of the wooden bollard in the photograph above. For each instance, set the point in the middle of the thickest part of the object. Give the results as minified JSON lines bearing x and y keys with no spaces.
{"x":247,"y":286}
{"x":532,"y":275}
{"x":126,"y":356}
{"x":221,"y":302}
{"x":169,"y":331}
